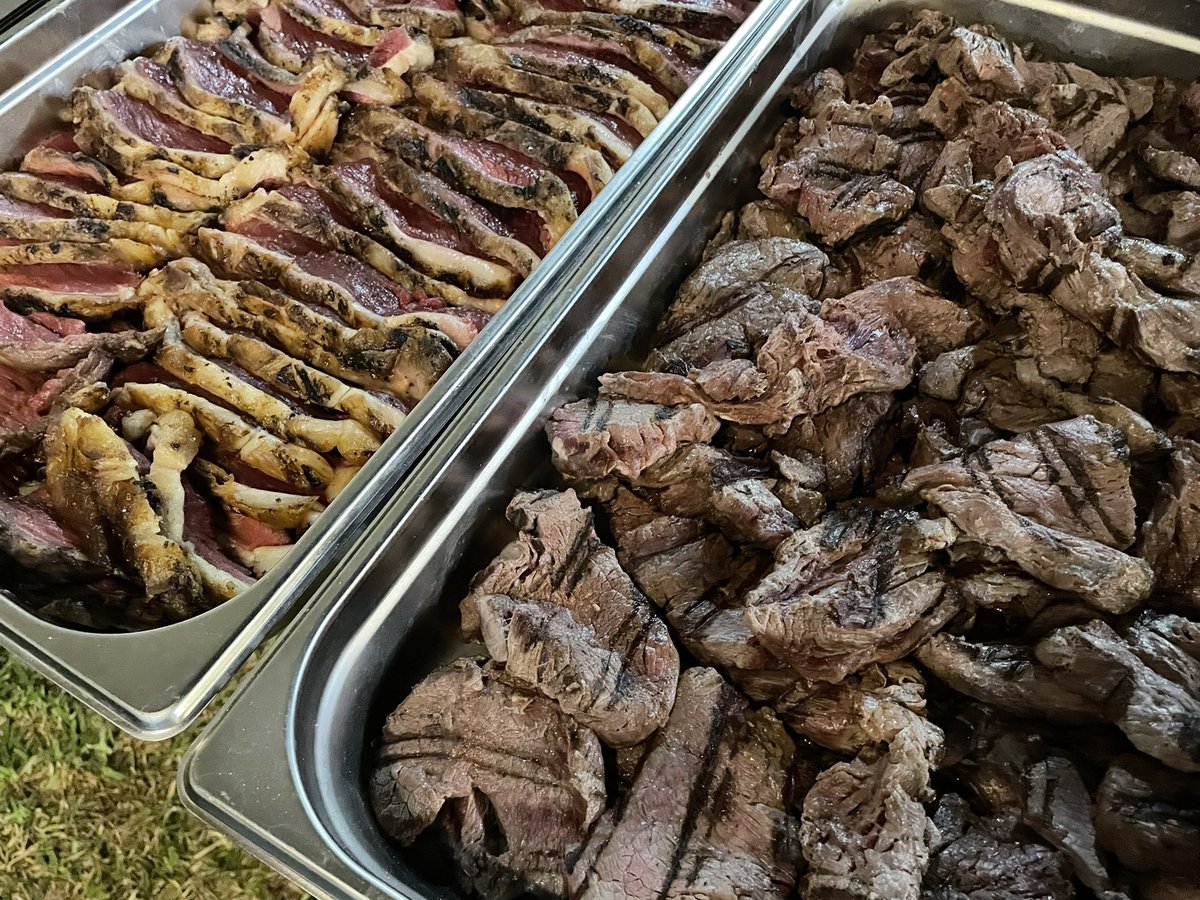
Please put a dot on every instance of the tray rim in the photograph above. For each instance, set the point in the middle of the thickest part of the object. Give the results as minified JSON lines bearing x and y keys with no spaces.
{"x":280,"y":675}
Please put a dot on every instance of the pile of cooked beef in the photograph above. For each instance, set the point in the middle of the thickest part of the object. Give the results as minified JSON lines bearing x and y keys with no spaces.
{"x":252,"y":251}
{"x":879,"y":579}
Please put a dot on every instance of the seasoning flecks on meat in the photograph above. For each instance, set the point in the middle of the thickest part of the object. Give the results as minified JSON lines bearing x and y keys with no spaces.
{"x":505,"y":777}
{"x":707,"y":812}
{"x":562,"y":618}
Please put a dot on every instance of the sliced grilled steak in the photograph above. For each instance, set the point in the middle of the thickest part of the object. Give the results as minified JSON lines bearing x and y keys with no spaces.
{"x":508,"y":780}
{"x":33,"y":401}
{"x":860,"y":587}
{"x":483,"y":66}
{"x":488,"y":170}
{"x":94,"y":484}
{"x":32,"y":537}
{"x":581,"y":168}
{"x":473,"y":221}
{"x":698,"y":579}
{"x":592,"y":439}
{"x":650,"y":54}
{"x":563,"y":123}
{"x":714,"y":783}
{"x":358,"y":293}
{"x":562,"y":618}
{"x":86,"y":204}
{"x":433,"y":246}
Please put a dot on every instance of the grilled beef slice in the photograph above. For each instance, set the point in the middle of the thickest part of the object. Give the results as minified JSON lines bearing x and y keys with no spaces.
{"x":720,"y":282}
{"x":707,"y":812}
{"x":862,"y":586}
{"x":557,"y":612}
{"x":1169,"y":538}
{"x":1080,"y":673}
{"x":1147,"y":816}
{"x":1056,"y":501}
{"x":95,"y":486}
{"x":592,"y":439}
{"x":505,"y":778}
{"x":981,"y":858}
{"x":863,"y":828}
{"x":33,"y":538}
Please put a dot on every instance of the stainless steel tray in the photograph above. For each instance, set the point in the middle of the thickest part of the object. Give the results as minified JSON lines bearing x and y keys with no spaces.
{"x":153,"y":684}
{"x":281,"y":769}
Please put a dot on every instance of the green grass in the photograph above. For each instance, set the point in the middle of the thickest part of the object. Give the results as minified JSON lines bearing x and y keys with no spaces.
{"x":88,"y":812}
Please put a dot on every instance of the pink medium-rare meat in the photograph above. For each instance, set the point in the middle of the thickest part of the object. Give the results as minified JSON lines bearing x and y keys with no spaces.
{"x":155,"y":127}
{"x":81,"y":278}
{"x":203,"y":65}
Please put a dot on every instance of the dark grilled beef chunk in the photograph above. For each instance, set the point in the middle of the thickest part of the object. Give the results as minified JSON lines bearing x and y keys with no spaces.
{"x":719,"y":284}
{"x":870,"y":706}
{"x":714,"y":784}
{"x":591,"y":439}
{"x":738,"y":332}
{"x":698,"y":578}
{"x":848,"y":444}
{"x":562,"y":618}
{"x":1081,"y":673}
{"x":863,"y":828}
{"x":1169,"y":537}
{"x":838,"y":171}
{"x":984,"y":858}
{"x":860,"y":587}
{"x":504,"y":777}
{"x":1056,"y":501}
{"x":735,"y":494}
{"x":1147,"y":816}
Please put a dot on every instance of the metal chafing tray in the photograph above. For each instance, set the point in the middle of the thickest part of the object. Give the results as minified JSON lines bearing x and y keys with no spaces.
{"x":153,"y":684}
{"x":282,"y":769}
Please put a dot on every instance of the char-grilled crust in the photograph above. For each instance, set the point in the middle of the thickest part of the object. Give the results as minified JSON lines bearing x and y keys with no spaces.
{"x":541,"y":192}
{"x":444,"y":106}
{"x":91,"y":476}
{"x":485,"y":66}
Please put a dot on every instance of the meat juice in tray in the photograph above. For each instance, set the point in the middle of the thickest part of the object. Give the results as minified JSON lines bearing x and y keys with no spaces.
{"x":877,"y":578}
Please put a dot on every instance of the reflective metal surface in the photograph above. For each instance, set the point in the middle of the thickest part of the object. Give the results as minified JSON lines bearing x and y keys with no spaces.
{"x":282,"y":769}
{"x":153,"y":684}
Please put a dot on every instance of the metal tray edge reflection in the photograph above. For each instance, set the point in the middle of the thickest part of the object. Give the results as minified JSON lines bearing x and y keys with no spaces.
{"x":265,"y":769}
{"x":154,"y":684}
